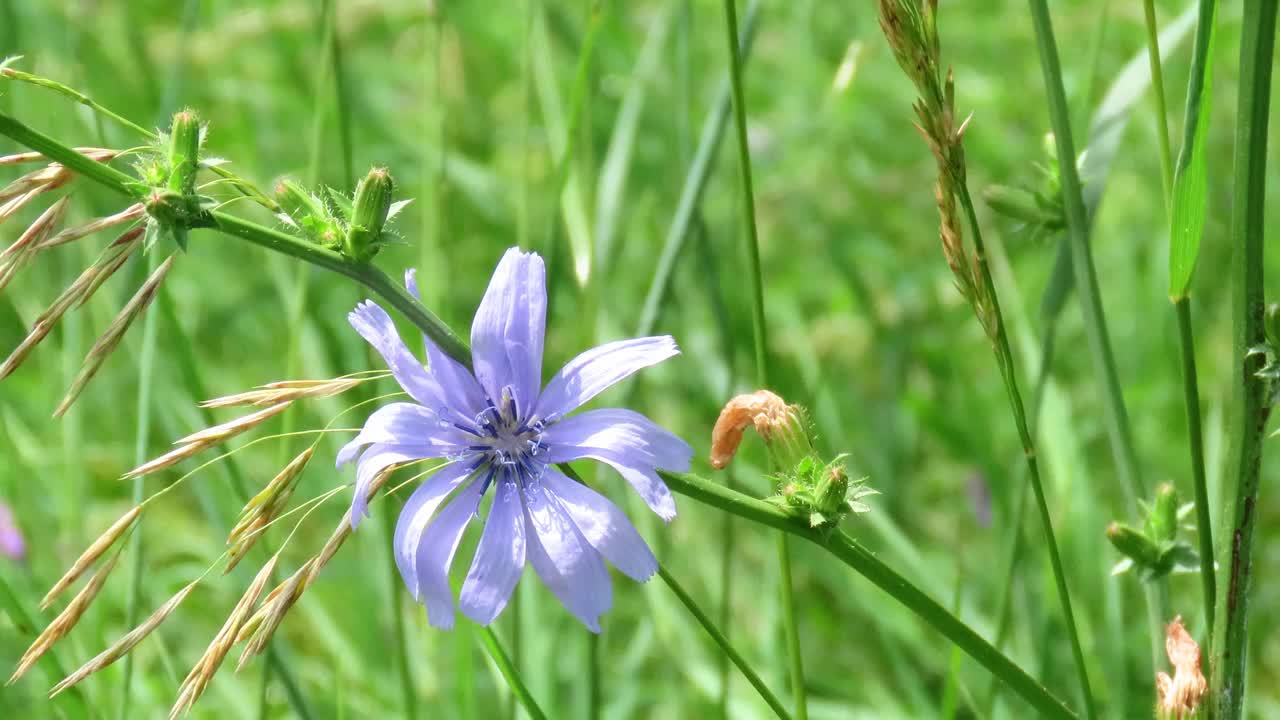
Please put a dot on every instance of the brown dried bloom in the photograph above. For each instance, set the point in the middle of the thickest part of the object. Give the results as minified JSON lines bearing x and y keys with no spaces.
{"x":1180,"y":695}
{"x":773,"y":418}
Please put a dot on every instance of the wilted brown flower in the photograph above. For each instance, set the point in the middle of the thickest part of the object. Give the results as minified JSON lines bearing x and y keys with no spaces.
{"x":772,"y":417}
{"x":1180,"y":695}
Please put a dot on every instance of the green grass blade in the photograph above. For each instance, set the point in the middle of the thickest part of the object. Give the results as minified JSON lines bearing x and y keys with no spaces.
{"x":1190,"y":182}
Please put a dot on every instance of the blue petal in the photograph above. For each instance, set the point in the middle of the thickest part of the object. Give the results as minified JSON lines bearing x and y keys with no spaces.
{"x":416,"y":515}
{"x":461,"y":391}
{"x":507,"y":333}
{"x":375,"y":326}
{"x":603,"y":525}
{"x":403,"y":424}
{"x":567,"y":564}
{"x":595,"y":370}
{"x":625,"y":432}
{"x":499,"y":560}
{"x":435,"y":551}
{"x":376,"y":459}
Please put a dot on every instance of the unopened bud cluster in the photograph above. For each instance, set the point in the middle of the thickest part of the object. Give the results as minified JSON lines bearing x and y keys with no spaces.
{"x":1155,"y":551}
{"x":1037,"y":206}
{"x":357,"y":227}
{"x":807,"y":487}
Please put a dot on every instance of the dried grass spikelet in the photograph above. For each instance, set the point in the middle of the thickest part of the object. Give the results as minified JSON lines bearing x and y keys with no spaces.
{"x":285,"y":596}
{"x":91,"y":554}
{"x":26,"y":157}
{"x":65,"y":621}
{"x":129,"y":214}
{"x":285,"y":391}
{"x":265,"y":507}
{"x":313,"y":567}
{"x":126,"y":643}
{"x":202,"y":440}
{"x":207,"y":666}
{"x":232,"y":428}
{"x":19,"y":254}
{"x":76,"y":295}
{"x":110,"y":339}
{"x":762,"y":408}
{"x":1180,"y":695}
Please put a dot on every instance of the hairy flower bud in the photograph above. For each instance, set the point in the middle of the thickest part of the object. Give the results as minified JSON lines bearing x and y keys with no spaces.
{"x":1162,"y":523}
{"x":1133,"y":545}
{"x":369,"y":214}
{"x":184,"y":152}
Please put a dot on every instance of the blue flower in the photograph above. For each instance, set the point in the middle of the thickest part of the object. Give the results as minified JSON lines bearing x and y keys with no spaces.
{"x":500,"y":429}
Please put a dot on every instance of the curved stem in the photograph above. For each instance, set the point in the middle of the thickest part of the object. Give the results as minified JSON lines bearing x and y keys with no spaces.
{"x":510,"y":674}
{"x":776,"y":705}
{"x":865,"y":563}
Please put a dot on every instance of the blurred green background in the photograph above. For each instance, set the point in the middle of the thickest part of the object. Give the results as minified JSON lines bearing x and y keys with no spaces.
{"x":468,"y":105}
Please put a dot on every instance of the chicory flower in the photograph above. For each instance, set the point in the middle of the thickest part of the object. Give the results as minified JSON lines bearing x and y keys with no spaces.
{"x":499,"y":428}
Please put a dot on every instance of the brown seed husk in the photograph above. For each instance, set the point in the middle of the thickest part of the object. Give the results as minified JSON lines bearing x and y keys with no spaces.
{"x":264,"y":508}
{"x":207,"y":666}
{"x":65,"y":621}
{"x":285,"y":391}
{"x":110,"y":339}
{"x":76,"y":295}
{"x":91,"y":554}
{"x":129,"y":214}
{"x":284,"y":601}
{"x":232,"y":428}
{"x":126,"y":643}
{"x":169,"y":459}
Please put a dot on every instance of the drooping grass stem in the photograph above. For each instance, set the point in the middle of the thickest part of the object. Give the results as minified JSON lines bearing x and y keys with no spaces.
{"x":760,"y":336}
{"x":1250,"y":408}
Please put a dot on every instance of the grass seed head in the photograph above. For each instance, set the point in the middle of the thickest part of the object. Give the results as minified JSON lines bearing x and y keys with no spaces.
{"x":91,"y":554}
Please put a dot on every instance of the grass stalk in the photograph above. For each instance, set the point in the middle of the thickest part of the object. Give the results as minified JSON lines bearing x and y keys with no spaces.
{"x":795,"y":658}
{"x":1004,"y":357}
{"x":1250,"y":408}
{"x":509,"y":673}
{"x":1115,"y":415}
{"x":723,"y":642}
{"x":1157,"y":93}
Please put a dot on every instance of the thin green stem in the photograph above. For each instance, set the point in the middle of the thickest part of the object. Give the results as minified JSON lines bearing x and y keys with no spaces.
{"x":865,"y":563}
{"x":1250,"y":408}
{"x":1195,"y":126}
{"x":760,"y":335}
{"x":146,"y":366}
{"x":1004,"y":357}
{"x":695,"y":181}
{"x":1115,"y":415}
{"x":509,"y":673}
{"x":723,"y":642}
{"x":1195,"y":438}
{"x":1157,"y":90}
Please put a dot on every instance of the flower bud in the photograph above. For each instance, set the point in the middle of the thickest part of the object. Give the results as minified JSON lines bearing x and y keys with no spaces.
{"x":780,"y":425}
{"x":1134,"y":545}
{"x":1162,"y":523}
{"x":832,"y":489}
{"x":184,"y":152}
{"x":369,"y":214}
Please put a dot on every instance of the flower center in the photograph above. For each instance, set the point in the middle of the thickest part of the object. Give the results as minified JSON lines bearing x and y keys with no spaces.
{"x":505,"y":439}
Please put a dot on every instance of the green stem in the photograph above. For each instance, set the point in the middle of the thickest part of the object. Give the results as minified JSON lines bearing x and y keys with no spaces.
{"x":1115,"y":415}
{"x":774,"y":703}
{"x":1191,"y":395}
{"x":1157,"y":89}
{"x":1004,"y":357}
{"x":146,"y":365}
{"x":695,"y":181}
{"x":510,"y":674}
{"x":1250,"y":407}
{"x":760,"y":335}
{"x":865,"y":563}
